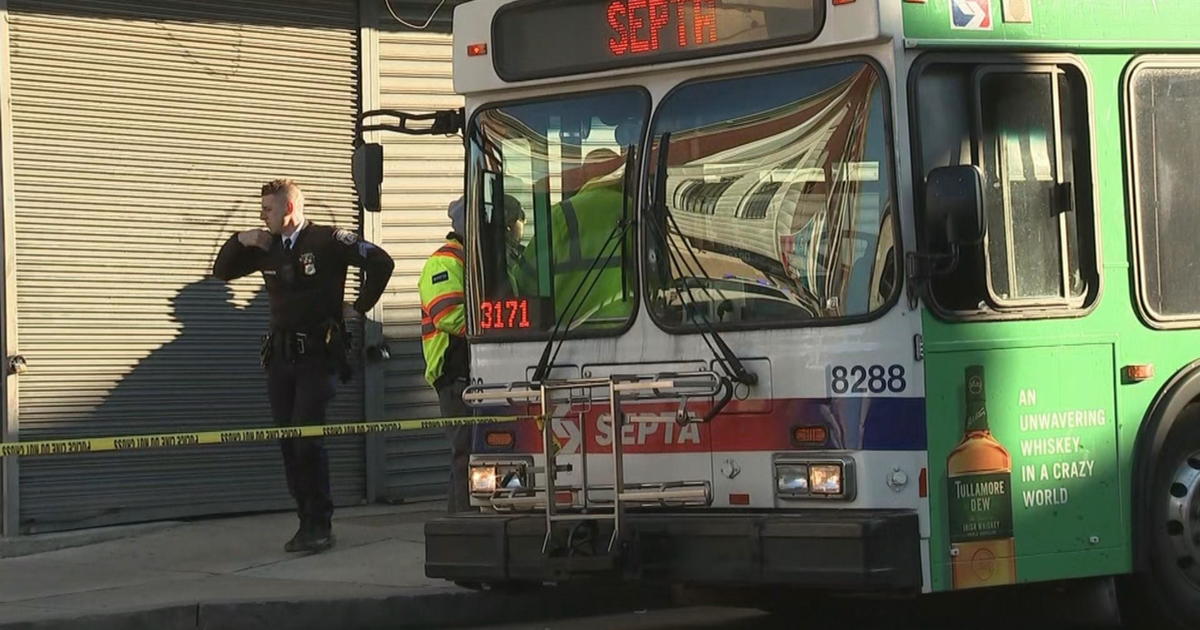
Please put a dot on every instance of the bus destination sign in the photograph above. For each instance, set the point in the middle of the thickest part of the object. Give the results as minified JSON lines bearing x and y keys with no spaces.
{"x":515,"y":314}
{"x":548,"y":38}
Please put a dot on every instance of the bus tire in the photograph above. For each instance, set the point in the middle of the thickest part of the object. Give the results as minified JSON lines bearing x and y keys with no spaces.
{"x":1164,"y":590}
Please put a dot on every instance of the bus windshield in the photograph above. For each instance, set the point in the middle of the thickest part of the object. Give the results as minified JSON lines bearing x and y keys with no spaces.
{"x":779,"y":206}
{"x":553,"y":244}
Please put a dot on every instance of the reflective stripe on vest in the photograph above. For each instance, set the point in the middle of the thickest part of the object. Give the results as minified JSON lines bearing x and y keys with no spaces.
{"x":439,"y":300}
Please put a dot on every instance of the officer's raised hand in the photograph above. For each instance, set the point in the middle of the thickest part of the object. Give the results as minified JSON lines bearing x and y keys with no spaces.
{"x":255,"y":238}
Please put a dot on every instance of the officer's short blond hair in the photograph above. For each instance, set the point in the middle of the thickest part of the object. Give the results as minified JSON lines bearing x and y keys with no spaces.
{"x":287,"y":187}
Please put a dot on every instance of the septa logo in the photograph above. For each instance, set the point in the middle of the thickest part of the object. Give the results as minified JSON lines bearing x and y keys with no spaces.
{"x":975,"y":15}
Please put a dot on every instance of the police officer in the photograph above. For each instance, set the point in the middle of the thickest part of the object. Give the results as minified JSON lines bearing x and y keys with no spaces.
{"x":443,"y":342}
{"x":304,"y":267}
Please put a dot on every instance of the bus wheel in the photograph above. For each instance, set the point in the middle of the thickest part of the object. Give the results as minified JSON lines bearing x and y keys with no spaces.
{"x":1166,"y":592}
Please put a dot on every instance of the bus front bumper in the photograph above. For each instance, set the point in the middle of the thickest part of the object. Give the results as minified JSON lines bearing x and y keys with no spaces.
{"x":860,"y":550}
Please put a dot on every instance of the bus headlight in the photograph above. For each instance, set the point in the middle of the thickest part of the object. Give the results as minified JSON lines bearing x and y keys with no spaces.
{"x":825,"y":478}
{"x":483,"y":479}
{"x":791,"y":479}
{"x":490,"y":475}
{"x":817,"y":477}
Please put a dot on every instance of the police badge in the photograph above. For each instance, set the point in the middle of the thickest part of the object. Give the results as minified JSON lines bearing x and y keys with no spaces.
{"x":310,"y":263}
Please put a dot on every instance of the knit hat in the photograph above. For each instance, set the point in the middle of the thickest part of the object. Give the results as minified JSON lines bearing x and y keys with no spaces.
{"x":458,"y":216}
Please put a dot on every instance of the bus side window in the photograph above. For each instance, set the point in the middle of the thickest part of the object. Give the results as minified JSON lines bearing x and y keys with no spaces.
{"x":1031,"y":245}
{"x":1164,"y":96}
{"x":1026,"y":127}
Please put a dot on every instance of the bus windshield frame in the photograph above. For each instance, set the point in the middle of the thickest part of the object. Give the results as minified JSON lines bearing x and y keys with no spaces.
{"x":692,"y":257}
{"x":540,"y":174}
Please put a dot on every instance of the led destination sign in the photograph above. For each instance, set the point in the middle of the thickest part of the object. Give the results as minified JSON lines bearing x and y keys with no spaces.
{"x":516,"y":314}
{"x":546,"y":38}
{"x":501,"y":314}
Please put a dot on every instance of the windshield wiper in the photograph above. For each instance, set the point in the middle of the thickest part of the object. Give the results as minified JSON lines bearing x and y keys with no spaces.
{"x":725,"y":355}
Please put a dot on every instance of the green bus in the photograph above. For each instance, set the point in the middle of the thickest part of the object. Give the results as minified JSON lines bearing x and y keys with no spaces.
{"x":1079,"y":299}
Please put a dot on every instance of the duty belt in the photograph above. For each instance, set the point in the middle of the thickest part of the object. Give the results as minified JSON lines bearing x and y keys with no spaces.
{"x":291,"y":345}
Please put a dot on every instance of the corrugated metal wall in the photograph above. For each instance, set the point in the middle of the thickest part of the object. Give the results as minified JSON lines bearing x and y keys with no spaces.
{"x":142,"y":131}
{"x":423,"y":175}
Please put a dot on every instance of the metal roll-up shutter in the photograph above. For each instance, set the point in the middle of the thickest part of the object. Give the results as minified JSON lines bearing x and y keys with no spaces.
{"x":423,"y":174}
{"x":142,"y":132}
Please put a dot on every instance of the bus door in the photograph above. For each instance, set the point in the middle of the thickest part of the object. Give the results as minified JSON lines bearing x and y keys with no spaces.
{"x":1020,"y":377}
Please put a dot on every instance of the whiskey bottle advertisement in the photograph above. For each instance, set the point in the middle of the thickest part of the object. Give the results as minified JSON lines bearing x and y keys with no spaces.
{"x":982,"y":547}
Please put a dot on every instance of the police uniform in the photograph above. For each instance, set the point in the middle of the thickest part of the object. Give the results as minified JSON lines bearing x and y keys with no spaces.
{"x":447,"y":360}
{"x":305,"y":349}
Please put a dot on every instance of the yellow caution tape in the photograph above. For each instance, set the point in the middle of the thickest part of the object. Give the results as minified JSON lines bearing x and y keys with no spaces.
{"x":234,"y":436}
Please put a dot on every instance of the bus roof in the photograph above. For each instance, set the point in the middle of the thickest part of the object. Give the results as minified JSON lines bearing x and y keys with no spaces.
{"x":1069,"y":24}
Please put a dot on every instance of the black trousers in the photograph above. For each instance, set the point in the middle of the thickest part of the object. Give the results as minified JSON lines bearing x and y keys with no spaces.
{"x":300,"y":391}
{"x":451,"y":404}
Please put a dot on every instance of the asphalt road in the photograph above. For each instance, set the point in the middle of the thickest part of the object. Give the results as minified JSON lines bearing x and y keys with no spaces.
{"x":1074,"y":606}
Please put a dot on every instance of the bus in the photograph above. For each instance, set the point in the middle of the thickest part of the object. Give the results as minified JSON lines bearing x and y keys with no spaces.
{"x":875,"y":296}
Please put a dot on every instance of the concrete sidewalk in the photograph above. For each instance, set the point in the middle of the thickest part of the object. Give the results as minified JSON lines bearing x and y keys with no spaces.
{"x":233,"y":573}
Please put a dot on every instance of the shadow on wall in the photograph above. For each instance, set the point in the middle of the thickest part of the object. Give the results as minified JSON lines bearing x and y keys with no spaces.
{"x":207,"y":376}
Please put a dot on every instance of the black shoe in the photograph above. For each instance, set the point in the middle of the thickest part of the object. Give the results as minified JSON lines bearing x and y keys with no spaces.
{"x":299,"y":541}
{"x":319,"y":543}
{"x":320,"y":537}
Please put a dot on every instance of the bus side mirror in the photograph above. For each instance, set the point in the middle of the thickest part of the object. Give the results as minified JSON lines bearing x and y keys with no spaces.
{"x":367,"y":167}
{"x":954,"y":206}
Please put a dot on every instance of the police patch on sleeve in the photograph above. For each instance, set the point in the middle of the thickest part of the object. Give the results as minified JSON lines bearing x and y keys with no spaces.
{"x":440,"y":277}
{"x":345,"y":237}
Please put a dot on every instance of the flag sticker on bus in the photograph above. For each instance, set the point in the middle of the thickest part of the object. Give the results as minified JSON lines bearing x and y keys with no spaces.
{"x":971,"y":15}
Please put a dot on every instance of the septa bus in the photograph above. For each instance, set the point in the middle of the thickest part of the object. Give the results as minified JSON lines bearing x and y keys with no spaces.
{"x":892,"y":296}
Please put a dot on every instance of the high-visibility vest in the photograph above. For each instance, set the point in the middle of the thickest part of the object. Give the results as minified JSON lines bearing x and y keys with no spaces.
{"x":581,"y":227}
{"x":443,"y":306}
